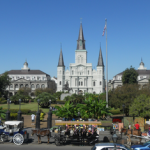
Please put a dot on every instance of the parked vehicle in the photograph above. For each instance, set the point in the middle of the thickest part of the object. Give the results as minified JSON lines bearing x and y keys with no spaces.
{"x":13,"y":131}
{"x":109,"y":146}
{"x":145,"y":146}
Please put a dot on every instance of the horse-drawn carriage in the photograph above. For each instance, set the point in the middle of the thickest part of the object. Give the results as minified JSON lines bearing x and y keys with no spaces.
{"x":137,"y":133}
{"x":82,"y":132}
{"x":13,"y":131}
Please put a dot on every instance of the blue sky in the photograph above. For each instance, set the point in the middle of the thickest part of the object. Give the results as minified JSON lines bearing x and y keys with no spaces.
{"x":34,"y":29}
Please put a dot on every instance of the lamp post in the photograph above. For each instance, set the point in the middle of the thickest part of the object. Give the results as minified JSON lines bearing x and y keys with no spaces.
{"x":79,"y":115}
{"x":8,"y":112}
{"x":49,"y":119}
{"x":19,"y":112}
{"x":38,"y":117}
{"x":123,"y":113}
{"x":114,"y":137}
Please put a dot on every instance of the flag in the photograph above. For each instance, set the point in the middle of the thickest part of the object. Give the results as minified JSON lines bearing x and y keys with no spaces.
{"x":104,"y":31}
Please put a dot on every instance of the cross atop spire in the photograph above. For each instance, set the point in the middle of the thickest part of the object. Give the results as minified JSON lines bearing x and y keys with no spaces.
{"x":100,"y":59}
{"x":61,"y":60}
{"x":81,"y":41}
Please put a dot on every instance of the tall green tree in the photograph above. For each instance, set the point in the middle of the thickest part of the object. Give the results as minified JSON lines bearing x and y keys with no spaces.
{"x":140,"y":106}
{"x":129,"y":76}
{"x":4,"y":82}
{"x":44,"y":99}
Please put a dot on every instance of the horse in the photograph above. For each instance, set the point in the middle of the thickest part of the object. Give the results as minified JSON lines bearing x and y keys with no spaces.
{"x":41,"y":133}
{"x":129,"y":132}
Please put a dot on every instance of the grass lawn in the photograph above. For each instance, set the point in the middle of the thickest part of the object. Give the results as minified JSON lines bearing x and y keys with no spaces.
{"x":32,"y":106}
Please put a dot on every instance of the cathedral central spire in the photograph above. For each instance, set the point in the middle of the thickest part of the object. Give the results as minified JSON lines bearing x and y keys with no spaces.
{"x":81,"y":41}
{"x":61,"y":60}
{"x":100,"y":59}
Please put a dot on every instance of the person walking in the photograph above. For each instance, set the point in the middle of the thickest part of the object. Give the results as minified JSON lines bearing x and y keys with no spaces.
{"x":137,"y":126}
{"x":32,"y":119}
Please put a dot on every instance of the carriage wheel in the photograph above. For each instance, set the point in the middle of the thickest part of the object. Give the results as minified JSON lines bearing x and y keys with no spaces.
{"x":57,"y":143}
{"x":18,"y":139}
{"x":4,"y":138}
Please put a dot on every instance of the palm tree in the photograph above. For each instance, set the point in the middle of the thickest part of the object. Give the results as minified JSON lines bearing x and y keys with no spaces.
{"x":2,"y":113}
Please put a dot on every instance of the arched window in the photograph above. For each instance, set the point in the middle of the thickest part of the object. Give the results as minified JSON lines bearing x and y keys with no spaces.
{"x":21,"y":86}
{"x":11,"y":86}
{"x":32,"y":86}
{"x":94,"y":83}
{"x":32,"y":94}
{"x":16,"y":86}
{"x":43,"y":86}
{"x":72,"y":72}
{"x":60,"y":83}
{"x":37,"y":86}
{"x":81,"y":83}
{"x":88,"y":72}
{"x":26,"y":85}
{"x":100,"y":83}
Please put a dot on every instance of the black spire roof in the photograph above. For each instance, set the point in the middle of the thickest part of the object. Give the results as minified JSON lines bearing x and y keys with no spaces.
{"x":61,"y":60}
{"x":81,"y":41}
{"x":100,"y":59}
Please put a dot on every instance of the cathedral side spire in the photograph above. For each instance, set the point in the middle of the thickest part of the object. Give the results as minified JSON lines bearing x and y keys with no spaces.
{"x":61,"y":60}
{"x":81,"y":41}
{"x":100,"y":59}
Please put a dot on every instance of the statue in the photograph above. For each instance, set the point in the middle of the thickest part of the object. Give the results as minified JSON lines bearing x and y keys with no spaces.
{"x":66,"y":87}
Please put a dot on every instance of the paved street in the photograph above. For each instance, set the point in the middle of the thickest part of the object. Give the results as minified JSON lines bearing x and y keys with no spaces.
{"x":42,"y":146}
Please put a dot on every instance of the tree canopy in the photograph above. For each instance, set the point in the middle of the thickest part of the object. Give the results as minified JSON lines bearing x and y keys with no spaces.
{"x":44,"y":99}
{"x":140,"y":106}
{"x":129,"y":76}
{"x":4,"y":82}
{"x":41,"y":90}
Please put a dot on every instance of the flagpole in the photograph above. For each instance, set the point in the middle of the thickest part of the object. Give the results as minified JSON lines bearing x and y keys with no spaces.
{"x":106,"y":67}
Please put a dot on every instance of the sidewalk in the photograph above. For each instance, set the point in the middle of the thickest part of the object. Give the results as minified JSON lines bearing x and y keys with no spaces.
{"x":43,"y":124}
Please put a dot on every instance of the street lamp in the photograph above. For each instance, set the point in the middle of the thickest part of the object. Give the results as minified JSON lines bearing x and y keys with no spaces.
{"x":19,"y":112}
{"x":8,"y":112}
{"x":79,"y":115}
{"x":114,"y":137}
{"x":123,"y":113}
{"x":49,"y":119}
{"x":38,"y":116}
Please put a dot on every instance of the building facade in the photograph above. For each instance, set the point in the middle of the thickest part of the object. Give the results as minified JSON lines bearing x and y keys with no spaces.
{"x":81,"y":77}
{"x":143,"y":78}
{"x":33,"y":79}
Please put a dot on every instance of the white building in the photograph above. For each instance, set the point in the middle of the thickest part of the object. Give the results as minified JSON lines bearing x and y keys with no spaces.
{"x":143,"y":77}
{"x":81,"y":77}
{"x":55,"y":80}
{"x":29,"y":78}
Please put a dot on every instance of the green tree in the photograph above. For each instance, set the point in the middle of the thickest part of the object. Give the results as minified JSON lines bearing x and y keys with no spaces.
{"x":2,"y":113}
{"x":57,"y":95}
{"x":44,"y":99}
{"x":129,"y":76}
{"x":4,"y":82}
{"x":66,"y":111}
{"x":41,"y":90}
{"x":140,"y":106}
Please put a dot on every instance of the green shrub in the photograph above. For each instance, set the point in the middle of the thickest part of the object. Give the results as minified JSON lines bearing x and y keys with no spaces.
{"x":3,"y":101}
{"x":115,"y":111}
{"x":13,"y":116}
{"x":60,"y":102}
{"x":24,"y":111}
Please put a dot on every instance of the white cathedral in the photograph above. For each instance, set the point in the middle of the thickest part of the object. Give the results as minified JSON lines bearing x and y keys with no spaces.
{"x":81,"y":77}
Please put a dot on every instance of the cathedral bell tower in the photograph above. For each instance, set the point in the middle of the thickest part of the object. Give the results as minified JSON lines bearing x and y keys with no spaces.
{"x":60,"y":72}
{"x":81,"y":53}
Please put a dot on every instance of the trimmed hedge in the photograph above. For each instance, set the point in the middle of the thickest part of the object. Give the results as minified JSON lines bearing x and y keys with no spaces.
{"x":24,"y":111}
{"x":117,"y":111}
{"x":13,"y":116}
